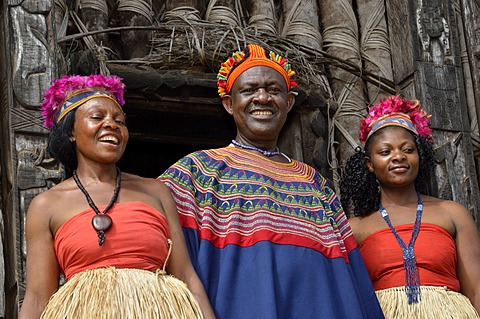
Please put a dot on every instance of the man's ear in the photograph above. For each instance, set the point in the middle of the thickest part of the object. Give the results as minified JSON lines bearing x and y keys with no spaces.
{"x":290,"y":100}
{"x":368,"y":162}
{"x":227,"y":104}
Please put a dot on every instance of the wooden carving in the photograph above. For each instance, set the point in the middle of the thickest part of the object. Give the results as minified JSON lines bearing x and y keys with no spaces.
{"x":434,"y":33}
{"x":31,"y":67}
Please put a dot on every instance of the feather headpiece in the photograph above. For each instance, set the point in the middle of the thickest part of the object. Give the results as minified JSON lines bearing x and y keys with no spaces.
{"x":253,"y":55}
{"x":71,"y":91}
{"x":396,"y":111}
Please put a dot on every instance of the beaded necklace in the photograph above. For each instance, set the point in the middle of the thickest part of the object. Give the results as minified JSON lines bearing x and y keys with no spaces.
{"x":253,"y":148}
{"x":412,"y":285}
{"x":101,"y":222}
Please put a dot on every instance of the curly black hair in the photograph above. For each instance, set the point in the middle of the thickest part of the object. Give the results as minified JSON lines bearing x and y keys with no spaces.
{"x":360,"y":191}
{"x":59,"y":145}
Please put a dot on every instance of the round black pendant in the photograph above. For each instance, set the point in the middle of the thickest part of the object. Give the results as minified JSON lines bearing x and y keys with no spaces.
{"x":101,"y":222}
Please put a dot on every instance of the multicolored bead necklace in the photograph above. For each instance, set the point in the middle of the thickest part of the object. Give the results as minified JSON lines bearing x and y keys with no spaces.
{"x":253,"y":148}
{"x":412,"y":285}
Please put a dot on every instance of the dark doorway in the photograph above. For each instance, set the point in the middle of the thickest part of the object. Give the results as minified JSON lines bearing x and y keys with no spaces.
{"x":170,"y":114}
{"x":161,"y":132}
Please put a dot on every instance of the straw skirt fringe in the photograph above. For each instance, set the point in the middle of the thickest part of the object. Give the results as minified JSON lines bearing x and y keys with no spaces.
{"x":435,"y":303}
{"x":108,"y":293}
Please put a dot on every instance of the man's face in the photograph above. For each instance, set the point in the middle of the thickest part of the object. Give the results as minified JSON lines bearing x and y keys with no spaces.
{"x":259,"y":103}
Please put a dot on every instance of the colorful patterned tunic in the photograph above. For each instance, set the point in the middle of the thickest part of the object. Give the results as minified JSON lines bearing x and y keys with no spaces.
{"x":269,"y":239}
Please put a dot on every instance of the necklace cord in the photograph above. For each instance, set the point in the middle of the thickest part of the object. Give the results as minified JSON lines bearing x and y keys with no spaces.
{"x":253,"y":148}
{"x":412,"y":284}
{"x":106,"y":220}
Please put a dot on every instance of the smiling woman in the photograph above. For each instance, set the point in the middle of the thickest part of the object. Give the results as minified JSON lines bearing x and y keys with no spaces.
{"x":422,"y":252}
{"x":86,"y":227}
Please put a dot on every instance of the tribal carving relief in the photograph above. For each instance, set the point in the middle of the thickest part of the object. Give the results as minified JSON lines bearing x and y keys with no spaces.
{"x":36,"y":172}
{"x":31,"y":58}
{"x":476,"y":27}
{"x":434,"y":34}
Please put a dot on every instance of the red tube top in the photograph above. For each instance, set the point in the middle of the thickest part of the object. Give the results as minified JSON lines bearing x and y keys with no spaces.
{"x":137,"y":239}
{"x":435,"y":253}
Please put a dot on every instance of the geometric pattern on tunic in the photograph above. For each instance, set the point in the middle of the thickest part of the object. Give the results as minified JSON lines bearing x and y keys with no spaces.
{"x":233,"y":196}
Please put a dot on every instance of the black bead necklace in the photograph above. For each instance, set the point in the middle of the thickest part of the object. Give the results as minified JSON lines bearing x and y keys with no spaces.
{"x":253,"y":148}
{"x":101,"y":222}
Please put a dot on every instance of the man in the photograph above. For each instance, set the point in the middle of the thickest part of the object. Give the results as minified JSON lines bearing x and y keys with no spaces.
{"x":266,"y":233}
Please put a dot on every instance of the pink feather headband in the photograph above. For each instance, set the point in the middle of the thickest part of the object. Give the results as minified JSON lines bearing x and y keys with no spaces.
{"x":66,"y":87}
{"x":396,"y":111}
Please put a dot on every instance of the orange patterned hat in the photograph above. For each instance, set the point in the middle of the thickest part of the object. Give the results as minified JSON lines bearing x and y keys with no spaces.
{"x":253,"y":55}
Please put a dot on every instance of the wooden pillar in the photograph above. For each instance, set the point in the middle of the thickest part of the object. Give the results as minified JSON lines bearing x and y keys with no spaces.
{"x":470,"y":16}
{"x":181,"y":10}
{"x":374,"y":45}
{"x":308,"y":133}
{"x":27,"y":68}
{"x":135,"y":43}
{"x":262,"y":15}
{"x":347,"y":105}
{"x":426,"y":59}
{"x":223,"y":11}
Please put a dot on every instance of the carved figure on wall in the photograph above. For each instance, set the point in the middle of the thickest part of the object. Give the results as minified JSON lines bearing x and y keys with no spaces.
{"x":434,"y":34}
{"x":31,"y":60}
{"x":37,"y":169}
{"x":36,"y":172}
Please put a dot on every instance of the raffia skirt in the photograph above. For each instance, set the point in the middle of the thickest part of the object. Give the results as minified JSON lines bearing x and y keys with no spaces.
{"x":435,"y":303}
{"x":109,"y":293}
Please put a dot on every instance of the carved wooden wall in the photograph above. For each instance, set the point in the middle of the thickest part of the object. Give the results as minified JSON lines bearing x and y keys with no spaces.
{"x":7,"y":278}
{"x":26,"y":168}
{"x":429,"y":57}
{"x":427,"y":65}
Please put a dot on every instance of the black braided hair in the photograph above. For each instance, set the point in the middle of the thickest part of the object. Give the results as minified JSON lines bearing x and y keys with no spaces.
{"x":59,"y":145}
{"x":360,"y":191}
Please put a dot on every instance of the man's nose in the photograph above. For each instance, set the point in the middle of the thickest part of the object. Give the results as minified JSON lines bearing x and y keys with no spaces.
{"x":262,"y":95}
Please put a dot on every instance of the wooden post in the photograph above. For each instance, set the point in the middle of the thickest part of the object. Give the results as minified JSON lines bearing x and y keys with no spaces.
{"x":262,"y":15}
{"x":26,"y":169}
{"x":308,"y":134}
{"x":223,"y":11}
{"x":135,"y":43}
{"x":426,"y":59}
{"x":348,"y":105}
{"x":374,"y":44}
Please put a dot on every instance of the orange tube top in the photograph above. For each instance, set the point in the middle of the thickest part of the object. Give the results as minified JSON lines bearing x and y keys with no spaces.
{"x":137,"y":239}
{"x":435,"y":253}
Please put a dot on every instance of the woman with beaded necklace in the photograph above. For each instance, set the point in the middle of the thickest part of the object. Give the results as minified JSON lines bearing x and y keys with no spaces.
{"x":114,"y":236}
{"x":422,"y":252}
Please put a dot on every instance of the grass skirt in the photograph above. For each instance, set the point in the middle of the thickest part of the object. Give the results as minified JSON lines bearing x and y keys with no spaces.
{"x":435,"y":303}
{"x":122,"y":293}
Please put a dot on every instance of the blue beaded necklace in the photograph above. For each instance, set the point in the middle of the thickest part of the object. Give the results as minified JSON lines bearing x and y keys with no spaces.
{"x":253,"y":148}
{"x":412,"y":285}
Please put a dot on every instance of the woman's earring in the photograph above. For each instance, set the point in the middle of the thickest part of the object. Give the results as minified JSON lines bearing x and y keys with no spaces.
{"x":378,"y":184}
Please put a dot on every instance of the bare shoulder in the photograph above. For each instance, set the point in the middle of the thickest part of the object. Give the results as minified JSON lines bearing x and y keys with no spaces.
{"x":49,"y":209}
{"x":148,"y":190}
{"x":144,"y":184}
{"x":362,"y":227}
{"x":50,"y":200}
{"x":450,"y":207}
{"x":455,"y":212}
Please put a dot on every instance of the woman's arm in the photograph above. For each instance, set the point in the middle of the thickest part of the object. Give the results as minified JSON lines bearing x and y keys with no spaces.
{"x":42,"y":267}
{"x":467,"y":241}
{"x":180,"y":264}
